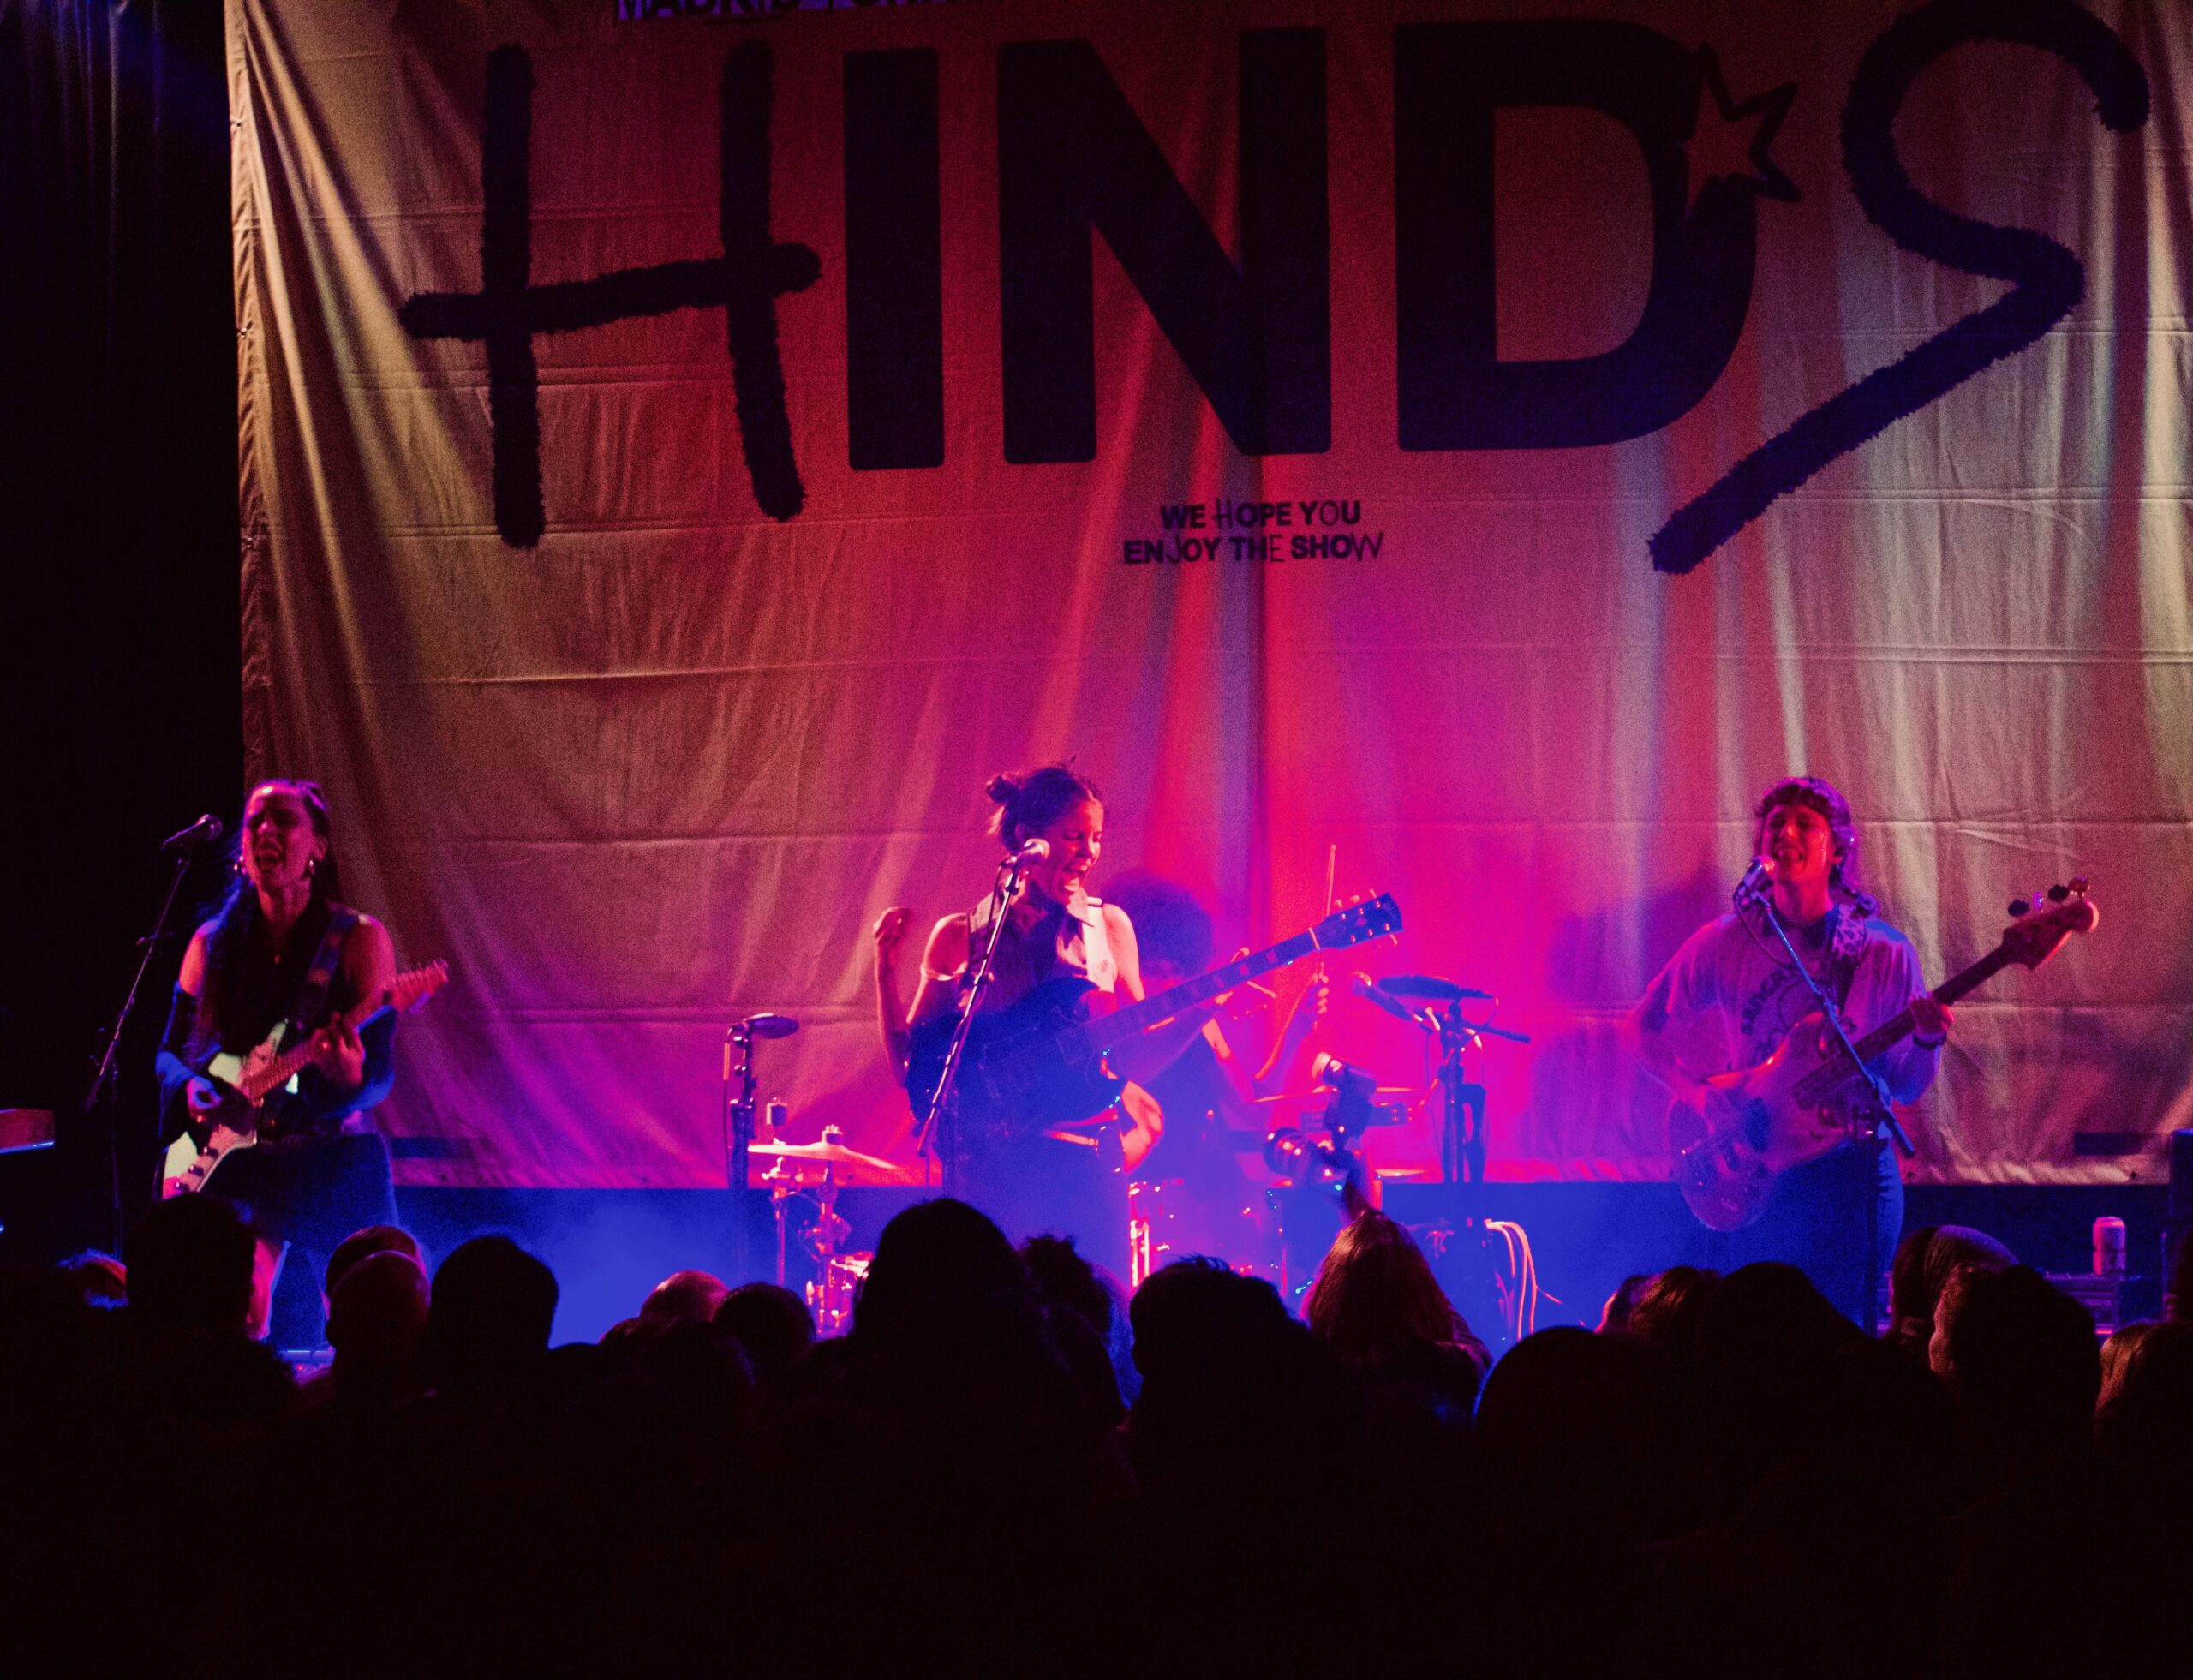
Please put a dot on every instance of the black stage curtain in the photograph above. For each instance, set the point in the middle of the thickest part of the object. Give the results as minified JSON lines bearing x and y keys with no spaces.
{"x":119,"y":652}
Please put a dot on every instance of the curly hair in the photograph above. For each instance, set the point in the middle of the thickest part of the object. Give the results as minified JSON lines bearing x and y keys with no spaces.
{"x":1846,"y":881}
{"x":1169,"y":925}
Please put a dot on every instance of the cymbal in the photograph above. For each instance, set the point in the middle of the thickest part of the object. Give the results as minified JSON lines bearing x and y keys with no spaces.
{"x":1432,"y":986}
{"x":835,"y":1154}
{"x":1402,"y":1172}
{"x":1317,"y":1096}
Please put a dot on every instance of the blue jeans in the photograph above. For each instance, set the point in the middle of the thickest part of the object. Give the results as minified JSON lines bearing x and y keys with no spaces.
{"x":1816,"y":1220}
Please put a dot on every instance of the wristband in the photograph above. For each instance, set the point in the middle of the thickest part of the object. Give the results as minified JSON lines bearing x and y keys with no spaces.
{"x":1930,"y":1043}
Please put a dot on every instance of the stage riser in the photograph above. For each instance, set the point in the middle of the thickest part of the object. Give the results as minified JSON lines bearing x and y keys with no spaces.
{"x":609,"y":1246}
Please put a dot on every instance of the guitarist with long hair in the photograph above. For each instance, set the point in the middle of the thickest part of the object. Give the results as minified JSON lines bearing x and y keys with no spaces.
{"x":283,"y":954}
{"x":1731,"y":995}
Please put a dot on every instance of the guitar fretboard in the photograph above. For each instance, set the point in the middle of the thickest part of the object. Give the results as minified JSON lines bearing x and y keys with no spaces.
{"x":1102,"y":1031}
{"x":1822,"y":1081}
{"x":399,"y":995}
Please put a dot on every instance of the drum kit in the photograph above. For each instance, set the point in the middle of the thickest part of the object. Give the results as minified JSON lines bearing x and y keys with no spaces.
{"x":1320,"y":1174}
{"x":837,"y":1276}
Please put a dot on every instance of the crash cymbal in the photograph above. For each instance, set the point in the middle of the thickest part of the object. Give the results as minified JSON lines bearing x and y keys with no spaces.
{"x":1402,"y":1172}
{"x":1319,"y":1095}
{"x":1430,"y":986}
{"x":834,"y":1154}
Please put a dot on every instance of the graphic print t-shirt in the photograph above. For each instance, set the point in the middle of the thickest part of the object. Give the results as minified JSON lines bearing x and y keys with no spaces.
{"x":1734,"y":973}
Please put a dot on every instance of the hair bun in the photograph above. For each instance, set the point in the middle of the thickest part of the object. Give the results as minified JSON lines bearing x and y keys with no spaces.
{"x":1002,"y":788}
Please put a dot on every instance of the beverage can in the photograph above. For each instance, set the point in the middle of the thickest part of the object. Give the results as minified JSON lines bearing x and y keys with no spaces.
{"x":2108,"y":1246}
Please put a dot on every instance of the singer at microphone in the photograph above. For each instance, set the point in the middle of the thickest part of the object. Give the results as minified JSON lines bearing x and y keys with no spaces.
{"x":1032,"y":852}
{"x":1039,"y":932}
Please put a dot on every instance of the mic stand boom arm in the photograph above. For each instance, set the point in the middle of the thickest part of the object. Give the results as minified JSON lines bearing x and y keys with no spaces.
{"x":1884,"y":1114}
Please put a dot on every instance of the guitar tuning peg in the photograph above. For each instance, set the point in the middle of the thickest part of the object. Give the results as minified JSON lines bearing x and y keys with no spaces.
{"x":2058,"y":893}
{"x":2019,"y":906}
{"x":2079,"y":885}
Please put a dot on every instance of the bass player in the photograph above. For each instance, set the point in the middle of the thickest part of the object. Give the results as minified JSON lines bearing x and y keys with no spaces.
{"x":1729,"y":995}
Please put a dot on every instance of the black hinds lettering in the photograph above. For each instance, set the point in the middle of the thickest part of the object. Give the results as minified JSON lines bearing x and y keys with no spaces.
{"x":1450,"y":80}
{"x":509,"y":308}
{"x":1074,"y":160}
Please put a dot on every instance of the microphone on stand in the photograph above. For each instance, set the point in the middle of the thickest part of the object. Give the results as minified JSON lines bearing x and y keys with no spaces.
{"x":1753,"y":887}
{"x":203,"y":831}
{"x":1371,"y":992}
{"x":1032,"y":851}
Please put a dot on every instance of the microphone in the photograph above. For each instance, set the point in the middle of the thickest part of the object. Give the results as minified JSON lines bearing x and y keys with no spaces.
{"x":1371,"y":992}
{"x":1033,"y":850}
{"x":203,"y":831}
{"x":768,"y":1026}
{"x":1753,"y":886}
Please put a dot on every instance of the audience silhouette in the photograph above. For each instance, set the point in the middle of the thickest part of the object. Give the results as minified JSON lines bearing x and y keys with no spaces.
{"x":1010,"y":1466}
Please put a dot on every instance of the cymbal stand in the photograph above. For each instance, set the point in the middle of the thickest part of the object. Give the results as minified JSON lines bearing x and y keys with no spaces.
{"x":1461,"y":1132}
{"x":1462,"y":1127}
{"x":828,"y":1228}
{"x":940,"y":1128}
{"x":783,"y":1186}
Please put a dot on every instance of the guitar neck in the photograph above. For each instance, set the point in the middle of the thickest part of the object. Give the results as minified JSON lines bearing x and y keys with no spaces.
{"x":1892,"y":1031}
{"x":291,"y":1062}
{"x":1103,"y":1032}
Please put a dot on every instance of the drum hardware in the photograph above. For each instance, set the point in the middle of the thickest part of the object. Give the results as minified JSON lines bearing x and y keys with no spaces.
{"x":1407,"y":1097}
{"x":830,"y":1296}
{"x":1431,"y":989}
{"x":829,"y":1152}
{"x":1462,"y":1135}
{"x":828,"y":1227}
{"x":1317,"y":1172}
{"x":1167,"y":1222}
{"x":738,"y":1105}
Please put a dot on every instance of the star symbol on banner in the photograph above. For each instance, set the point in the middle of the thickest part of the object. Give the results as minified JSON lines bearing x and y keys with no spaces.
{"x":1731,"y":140}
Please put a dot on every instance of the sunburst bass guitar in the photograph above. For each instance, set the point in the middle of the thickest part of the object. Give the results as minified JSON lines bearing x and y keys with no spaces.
{"x":1757,"y":1123}
{"x":227,"y":1099}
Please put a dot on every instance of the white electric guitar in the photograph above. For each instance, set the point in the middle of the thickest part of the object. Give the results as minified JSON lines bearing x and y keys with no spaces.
{"x":225,"y":1100}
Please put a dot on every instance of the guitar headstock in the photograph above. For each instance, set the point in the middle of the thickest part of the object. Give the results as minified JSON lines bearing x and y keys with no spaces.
{"x":2038,"y":934}
{"x":415,"y":986}
{"x":1355,"y":924}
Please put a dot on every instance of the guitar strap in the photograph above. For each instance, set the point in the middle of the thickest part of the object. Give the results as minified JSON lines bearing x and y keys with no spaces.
{"x":1842,"y":972}
{"x":312,"y":996}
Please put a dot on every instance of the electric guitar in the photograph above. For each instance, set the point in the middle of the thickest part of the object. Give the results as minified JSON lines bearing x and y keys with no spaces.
{"x":1041,"y":1062}
{"x":1756,"y":1123}
{"x":227,"y":1098}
